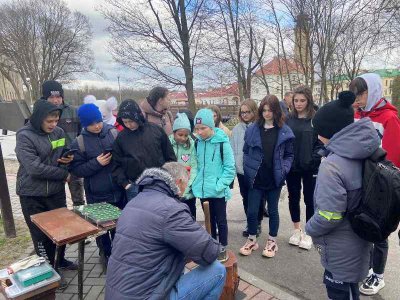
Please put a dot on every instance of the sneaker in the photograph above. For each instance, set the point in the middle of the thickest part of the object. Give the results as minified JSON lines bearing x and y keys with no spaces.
{"x":63,"y":283}
{"x":305,"y":242}
{"x":270,"y":249}
{"x":66,"y":264}
{"x":296,"y":237}
{"x":249,"y":247}
{"x":223,"y":256}
{"x":372,"y":285}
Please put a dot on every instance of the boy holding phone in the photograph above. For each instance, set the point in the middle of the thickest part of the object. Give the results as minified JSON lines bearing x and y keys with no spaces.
{"x":41,"y":177}
{"x":92,"y":161}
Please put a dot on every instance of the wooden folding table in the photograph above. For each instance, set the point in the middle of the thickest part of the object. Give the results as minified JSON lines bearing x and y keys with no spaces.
{"x":63,"y":227}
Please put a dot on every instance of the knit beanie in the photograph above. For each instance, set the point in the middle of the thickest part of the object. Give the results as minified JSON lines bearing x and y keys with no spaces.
{"x":205,"y":116}
{"x":334,"y":116}
{"x":89,"y":114}
{"x":129,"y":109}
{"x":181,"y":122}
{"x":52,"y":88}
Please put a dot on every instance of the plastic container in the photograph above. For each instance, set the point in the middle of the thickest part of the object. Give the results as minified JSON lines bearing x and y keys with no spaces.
{"x":29,"y":282}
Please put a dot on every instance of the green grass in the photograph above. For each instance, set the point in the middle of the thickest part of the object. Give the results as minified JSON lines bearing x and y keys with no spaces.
{"x":11,"y":249}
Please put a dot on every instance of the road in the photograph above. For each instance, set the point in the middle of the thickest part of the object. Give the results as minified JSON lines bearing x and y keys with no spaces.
{"x":296,"y":271}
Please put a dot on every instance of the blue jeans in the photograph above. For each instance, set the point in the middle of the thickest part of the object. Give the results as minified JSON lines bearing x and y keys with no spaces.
{"x":200,"y":283}
{"x":132,"y":192}
{"x":254,"y":199}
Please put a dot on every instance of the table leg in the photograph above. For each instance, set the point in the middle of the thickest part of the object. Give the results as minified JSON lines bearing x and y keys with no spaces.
{"x":81,"y":262}
{"x":57,"y":258}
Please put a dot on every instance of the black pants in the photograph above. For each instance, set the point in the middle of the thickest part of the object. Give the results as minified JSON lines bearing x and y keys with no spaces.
{"x":244,"y":192}
{"x":378,"y":258}
{"x":338,"y":290}
{"x":293,"y":181}
{"x":33,"y":205}
{"x":191,"y":203}
{"x":218,"y":218}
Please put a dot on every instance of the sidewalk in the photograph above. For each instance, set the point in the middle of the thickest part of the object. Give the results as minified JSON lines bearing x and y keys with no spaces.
{"x":94,"y":280}
{"x":250,"y":286}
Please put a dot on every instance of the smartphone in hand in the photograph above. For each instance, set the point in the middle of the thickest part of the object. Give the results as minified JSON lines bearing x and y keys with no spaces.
{"x":107,"y":151}
{"x":69,"y":152}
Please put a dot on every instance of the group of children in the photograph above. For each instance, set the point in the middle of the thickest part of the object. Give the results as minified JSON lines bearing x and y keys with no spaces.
{"x":265,"y":151}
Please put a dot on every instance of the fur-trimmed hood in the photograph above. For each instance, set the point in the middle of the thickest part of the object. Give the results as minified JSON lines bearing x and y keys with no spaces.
{"x":158,"y":177}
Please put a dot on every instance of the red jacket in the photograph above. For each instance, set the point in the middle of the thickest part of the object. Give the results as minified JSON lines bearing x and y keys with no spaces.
{"x":387,"y":124}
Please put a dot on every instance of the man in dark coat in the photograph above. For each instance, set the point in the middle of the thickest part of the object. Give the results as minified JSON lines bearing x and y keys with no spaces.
{"x":155,"y":236}
{"x":53,"y":92}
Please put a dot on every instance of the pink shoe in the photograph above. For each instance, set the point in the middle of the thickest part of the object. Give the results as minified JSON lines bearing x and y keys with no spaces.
{"x":270,"y":249}
{"x":248,"y":248}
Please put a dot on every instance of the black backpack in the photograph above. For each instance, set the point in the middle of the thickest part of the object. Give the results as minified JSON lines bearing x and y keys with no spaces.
{"x":378,"y":213}
{"x":221,"y":150}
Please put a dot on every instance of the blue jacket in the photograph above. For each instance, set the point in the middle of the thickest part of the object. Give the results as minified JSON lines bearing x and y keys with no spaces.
{"x":338,"y":189}
{"x":214,"y":175}
{"x":99,"y":186}
{"x":155,"y":237}
{"x":253,"y":154}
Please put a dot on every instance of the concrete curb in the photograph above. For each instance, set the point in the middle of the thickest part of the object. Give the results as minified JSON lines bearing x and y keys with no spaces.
{"x":271,"y":289}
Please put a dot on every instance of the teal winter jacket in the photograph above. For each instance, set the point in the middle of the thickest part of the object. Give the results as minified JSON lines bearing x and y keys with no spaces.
{"x":214,"y":175}
{"x":186,"y":156}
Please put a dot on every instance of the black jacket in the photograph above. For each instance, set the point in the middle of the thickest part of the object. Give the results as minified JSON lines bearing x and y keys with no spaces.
{"x":37,"y":152}
{"x":99,"y":186}
{"x":134,"y":151}
{"x":306,"y":146}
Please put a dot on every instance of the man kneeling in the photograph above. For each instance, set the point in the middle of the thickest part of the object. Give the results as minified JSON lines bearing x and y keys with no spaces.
{"x":155,"y":236}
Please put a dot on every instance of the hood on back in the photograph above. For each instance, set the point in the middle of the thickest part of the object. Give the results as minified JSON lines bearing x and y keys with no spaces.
{"x":374,"y":83}
{"x":156,"y":176}
{"x":149,"y":110}
{"x":40,"y":111}
{"x":358,"y":140}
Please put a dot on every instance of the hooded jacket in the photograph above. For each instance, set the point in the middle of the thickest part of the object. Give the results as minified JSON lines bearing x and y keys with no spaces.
{"x":37,"y":153}
{"x":214,"y":175}
{"x":338,"y":190}
{"x":99,"y":186}
{"x":155,"y":237}
{"x":237,"y":143}
{"x":134,"y":151}
{"x":384,"y":117}
{"x":186,"y":155}
{"x":306,"y":145}
{"x":254,"y":154}
{"x":164,"y":120}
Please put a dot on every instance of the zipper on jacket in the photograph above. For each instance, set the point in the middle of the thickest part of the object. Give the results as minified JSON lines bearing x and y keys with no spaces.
{"x":204,"y":167}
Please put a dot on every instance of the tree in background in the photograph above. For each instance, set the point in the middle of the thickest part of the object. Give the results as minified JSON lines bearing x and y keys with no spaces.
{"x":396,"y":93}
{"x":43,"y":40}
{"x":157,"y":38}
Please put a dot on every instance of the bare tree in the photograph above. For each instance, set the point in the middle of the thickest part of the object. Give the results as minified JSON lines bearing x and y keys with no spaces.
{"x":42,"y":40}
{"x":234,"y":39}
{"x":157,"y":38}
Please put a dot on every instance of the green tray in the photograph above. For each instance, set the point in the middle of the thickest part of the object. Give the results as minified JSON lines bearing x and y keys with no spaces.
{"x":99,"y":213}
{"x":34,"y":274}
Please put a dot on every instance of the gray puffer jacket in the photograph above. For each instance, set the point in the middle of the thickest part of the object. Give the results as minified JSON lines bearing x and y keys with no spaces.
{"x":337,"y":191}
{"x":237,"y":143}
{"x":37,"y":153}
{"x":155,"y":236}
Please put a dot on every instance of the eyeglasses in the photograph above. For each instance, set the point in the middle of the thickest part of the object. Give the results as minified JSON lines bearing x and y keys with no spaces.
{"x":242,"y":113}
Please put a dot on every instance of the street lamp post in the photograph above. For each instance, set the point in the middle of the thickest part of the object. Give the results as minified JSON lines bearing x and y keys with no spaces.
{"x":119,"y":90}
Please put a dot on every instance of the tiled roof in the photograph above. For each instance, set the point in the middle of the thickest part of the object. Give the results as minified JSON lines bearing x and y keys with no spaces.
{"x":273,"y":67}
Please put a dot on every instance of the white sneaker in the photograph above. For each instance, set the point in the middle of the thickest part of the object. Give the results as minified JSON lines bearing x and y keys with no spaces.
{"x":305,"y":242}
{"x":372,"y":285}
{"x":296,"y":237}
